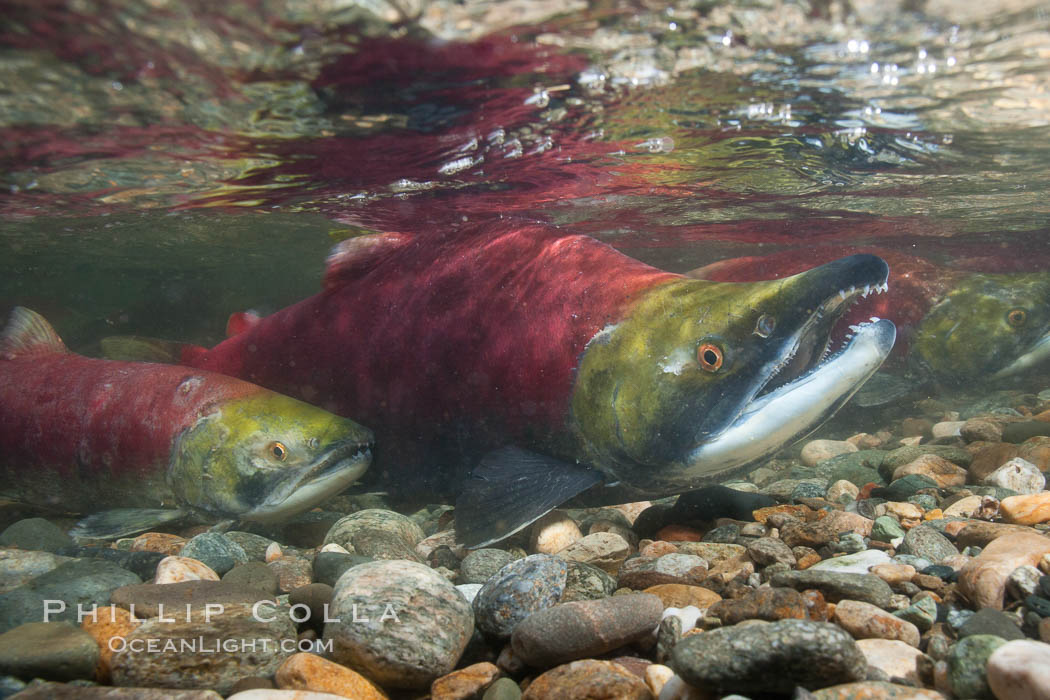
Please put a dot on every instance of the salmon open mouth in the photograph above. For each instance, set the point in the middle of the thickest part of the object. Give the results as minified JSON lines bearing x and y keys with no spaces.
{"x":306,"y":487}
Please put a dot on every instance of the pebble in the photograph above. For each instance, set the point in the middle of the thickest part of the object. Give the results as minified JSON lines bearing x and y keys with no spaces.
{"x":343,"y":530}
{"x":657,"y":676}
{"x":769,"y":657}
{"x":274,"y":552}
{"x":922,"y":613}
{"x":988,"y":459}
{"x":580,"y":629}
{"x":519,"y":589}
{"x":858,"y":563}
{"x":1023,"y":582}
{"x":767,"y":603}
{"x":677,"y":595}
{"x":84,"y":582}
{"x":904,"y":455}
{"x":894,"y":574}
{"x":642,"y":572}
{"x":417,"y":623}
{"x":842,"y":491}
{"x":161,"y":542}
{"x":18,"y":567}
{"x":502,"y":689}
{"x":768,"y":550}
{"x":588,"y":678}
{"x":214,"y":551}
{"x":967,"y":661}
{"x":465,"y":683}
{"x":304,"y":671}
{"x":57,"y":651}
{"x":291,"y":571}
{"x":175,"y":569}
{"x":924,"y":541}
{"x":964,"y":507}
{"x":1018,"y":475}
{"x":254,"y":546}
{"x":874,"y":690}
{"x":263,"y":694}
{"x":254,"y":575}
{"x":602,"y":549}
{"x":313,"y":599}
{"x":1029,"y":509}
{"x":948,"y":428}
{"x":991,"y":621}
{"x":195,"y":652}
{"x":49,"y":691}
{"x":866,"y":621}
{"x":981,"y":429}
{"x":586,"y":582}
{"x":381,"y":544}
{"x":816,"y":451}
{"x":151,"y":600}
{"x":35,"y":534}
{"x":983,"y":580}
{"x":553,"y":532}
{"x":104,"y":625}
{"x":838,"y":586}
{"x":481,"y":564}
{"x":329,"y":566}
{"x":1020,"y":670}
{"x":940,"y":470}
{"x":893,"y":657}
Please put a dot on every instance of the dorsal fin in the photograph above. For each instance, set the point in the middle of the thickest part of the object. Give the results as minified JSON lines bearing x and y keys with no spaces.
{"x":241,"y":321}
{"x":355,"y":255}
{"x":29,"y":334}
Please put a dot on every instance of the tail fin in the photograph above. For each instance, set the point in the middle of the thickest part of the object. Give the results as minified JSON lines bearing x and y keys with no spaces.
{"x":28,"y":334}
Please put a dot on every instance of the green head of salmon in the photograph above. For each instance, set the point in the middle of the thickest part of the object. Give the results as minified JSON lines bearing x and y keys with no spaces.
{"x":266,"y":457}
{"x":987,"y":326}
{"x":704,"y":378}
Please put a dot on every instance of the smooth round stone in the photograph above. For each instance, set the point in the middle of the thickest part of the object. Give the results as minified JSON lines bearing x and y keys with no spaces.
{"x":809,"y":489}
{"x":343,"y":531}
{"x":967,"y":661}
{"x":816,"y":451}
{"x":18,"y":567}
{"x":769,"y":658}
{"x":923,"y":541}
{"x":580,"y":629}
{"x":602,"y":549}
{"x":465,"y":683}
{"x":553,"y":532}
{"x":903,"y":455}
{"x":857,"y":563}
{"x":866,"y":621}
{"x":1022,"y":430}
{"x":723,"y":534}
{"x":678,"y":595}
{"x":858,"y":468}
{"x":253,"y":545}
{"x":940,"y":470}
{"x":214,"y":551}
{"x":1020,"y":670}
{"x":292,"y":572}
{"x":1029,"y":509}
{"x":305,"y":671}
{"x":329,"y":566}
{"x":981,"y":429}
{"x":768,"y":550}
{"x":35,"y":534}
{"x":956,"y":618}
{"x":254,"y":575}
{"x":400,"y":623}
{"x":520,"y":589}
{"x":502,"y":689}
{"x":588,"y":678}
{"x":482,"y":564}
{"x":842,"y":491}
{"x":55,"y":651}
{"x":991,"y":621}
{"x":178,"y":569}
{"x":837,"y":586}
{"x":1018,"y":475}
{"x":382,"y":545}
{"x":1038,"y":605}
{"x":1023,"y":582}
{"x":948,"y":428}
{"x":983,"y":579}
{"x":904,"y":488}
{"x":586,"y":582}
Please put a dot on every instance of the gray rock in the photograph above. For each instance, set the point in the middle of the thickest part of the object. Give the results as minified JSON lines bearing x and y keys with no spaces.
{"x":991,"y":621}
{"x":886,"y":529}
{"x":18,"y":567}
{"x":583,"y":629}
{"x":770,"y":550}
{"x":84,"y":582}
{"x":769,"y":658}
{"x":586,"y":582}
{"x":922,"y":613}
{"x":859,"y":468}
{"x":967,"y":661}
{"x":153,"y":600}
{"x":503,"y":689}
{"x":254,"y":575}
{"x":253,"y":545}
{"x":215,"y":551}
{"x":925,"y":542}
{"x":904,"y":488}
{"x":329,"y":566}
{"x":383,"y":545}
{"x":481,"y":564}
{"x":142,"y":564}
{"x":910,"y":453}
{"x":57,"y":651}
{"x":205,"y":652}
{"x":519,"y":589}
{"x":838,"y":586}
{"x":399,"y":622}
{"x":343,"y":531}
{"x":35,"y":534}
{"x":63,"y":691}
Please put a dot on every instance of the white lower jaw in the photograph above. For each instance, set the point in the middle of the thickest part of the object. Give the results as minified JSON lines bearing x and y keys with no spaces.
{"x":795,"y":409}
{"x":309,"y":494}
{"x":1038,"y":354}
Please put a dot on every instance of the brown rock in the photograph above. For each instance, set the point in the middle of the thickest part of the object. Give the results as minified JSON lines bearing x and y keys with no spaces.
{"x":305,"y":671}
{"x":762,"y":514}
{"x":158,"y":542}
{"x":942,"y":471}
{"x":893,"y":574}
{"x":466,"y":683}
{"x":1026,"y":509}
{"x":151,"y":600}
{"x":179,"y":569}
{"x":894,"y":658}
{"x":814,"y":535}
{"x":980,"y":534}
{"x":988,"y":459}
{"x":983,"y":580}
{"x":715,"y":553}
{"x":553,"y":532}
{"x":679,"y":533}
{"x":105,"y":624}
{"x":1037,"y":451}
{"x":910,"y":427}
{"x":816,"y":607}
{"x":587,"y":680}
{"x":981,"y":429}
{"x":805,"y":557}
{"x":602,"y":549}
{"x":657,"y":549}
{"x":876,"y":690}
{"x":842,"y":521}
{"x":763,"y":604}
{"x":678,"y":595}
{"x":867,"y":621}
{"x":292,"y":572}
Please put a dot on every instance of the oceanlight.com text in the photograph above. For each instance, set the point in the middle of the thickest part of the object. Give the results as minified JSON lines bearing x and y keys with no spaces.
{"x":204,"y":645}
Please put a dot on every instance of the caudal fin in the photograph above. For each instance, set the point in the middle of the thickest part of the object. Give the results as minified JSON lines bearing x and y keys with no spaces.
{"x":28,"y":334}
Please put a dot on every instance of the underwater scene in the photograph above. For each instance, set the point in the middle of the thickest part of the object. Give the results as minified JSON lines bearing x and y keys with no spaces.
{"x":496,"y":349}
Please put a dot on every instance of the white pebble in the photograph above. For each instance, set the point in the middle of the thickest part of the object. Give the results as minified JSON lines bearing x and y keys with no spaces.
{"x":1020,"y":670}
{"x":1019,"y":475}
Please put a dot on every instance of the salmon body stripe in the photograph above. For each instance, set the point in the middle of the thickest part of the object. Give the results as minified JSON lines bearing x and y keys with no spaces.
{"x":479,"y":330}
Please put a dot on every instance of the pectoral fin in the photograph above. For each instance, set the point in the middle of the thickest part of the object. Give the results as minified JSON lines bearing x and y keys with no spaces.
{"x":510,"y":489}
{"x":124,"y":522}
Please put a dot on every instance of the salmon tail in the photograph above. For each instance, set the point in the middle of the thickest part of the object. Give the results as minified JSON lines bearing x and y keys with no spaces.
{"x":28,"y":334}
{"x":133,"y":348}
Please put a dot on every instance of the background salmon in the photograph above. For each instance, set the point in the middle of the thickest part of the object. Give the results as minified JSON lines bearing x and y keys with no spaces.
{"x":83,"y":435}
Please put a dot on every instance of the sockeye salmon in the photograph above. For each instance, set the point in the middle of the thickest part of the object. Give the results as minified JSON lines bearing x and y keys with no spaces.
{"x":562,"y":364}
{"x":84,"y":435}
{"x":956,"y":326}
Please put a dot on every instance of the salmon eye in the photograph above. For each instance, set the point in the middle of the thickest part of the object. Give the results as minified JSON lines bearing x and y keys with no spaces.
{"x":710,"y":357}
{"x":765,"y":326}
{"x":1017,"y":317}
{"x":279,"y":451}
